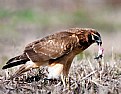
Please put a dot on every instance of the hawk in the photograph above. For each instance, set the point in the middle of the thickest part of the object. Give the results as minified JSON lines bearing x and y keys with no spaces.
{"x":55,"y":51}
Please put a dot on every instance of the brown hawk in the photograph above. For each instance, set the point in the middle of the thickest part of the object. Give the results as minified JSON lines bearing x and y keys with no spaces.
{"x":55,"y":51}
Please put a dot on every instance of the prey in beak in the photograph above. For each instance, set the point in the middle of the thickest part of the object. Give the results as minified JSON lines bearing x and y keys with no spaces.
{"x":100,"y":53}
{"x":100,"y":49}
{"x":97,"y":39}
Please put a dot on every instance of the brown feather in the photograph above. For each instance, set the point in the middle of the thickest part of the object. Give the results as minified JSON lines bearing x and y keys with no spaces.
{"x":57,"y":50}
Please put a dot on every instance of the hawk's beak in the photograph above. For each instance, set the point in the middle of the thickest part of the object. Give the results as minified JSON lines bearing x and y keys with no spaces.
{"x":97,"y":39}
{"x":99,"y":42}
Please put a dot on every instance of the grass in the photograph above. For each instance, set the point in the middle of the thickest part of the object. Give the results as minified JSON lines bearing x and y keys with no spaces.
{"x":10,"y":21}
{"x":86,"y":77}
{"x":78,"y":17}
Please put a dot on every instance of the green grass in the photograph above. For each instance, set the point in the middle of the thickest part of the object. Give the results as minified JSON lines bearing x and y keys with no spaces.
{"x":76,"y":18}
{"x":10,"y":20}
{"x":4,"y":13}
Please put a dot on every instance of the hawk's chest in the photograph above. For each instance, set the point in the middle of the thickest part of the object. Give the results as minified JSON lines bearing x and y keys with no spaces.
{"x":80,"y":48}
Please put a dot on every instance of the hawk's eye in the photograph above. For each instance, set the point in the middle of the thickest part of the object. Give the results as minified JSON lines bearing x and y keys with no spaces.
{"x":96,"y":37}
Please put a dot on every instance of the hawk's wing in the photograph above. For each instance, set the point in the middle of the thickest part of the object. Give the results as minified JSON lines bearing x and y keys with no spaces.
{"x":51,"y":47}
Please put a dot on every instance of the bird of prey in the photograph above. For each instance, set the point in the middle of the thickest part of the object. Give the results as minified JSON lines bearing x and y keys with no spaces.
{"x":55,"y":51}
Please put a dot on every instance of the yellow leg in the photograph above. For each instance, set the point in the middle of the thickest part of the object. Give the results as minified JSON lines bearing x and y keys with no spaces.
{"x":68,"y":83}
{"x":65,"y":81}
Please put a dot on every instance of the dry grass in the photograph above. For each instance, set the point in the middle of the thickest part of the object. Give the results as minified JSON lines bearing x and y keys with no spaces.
{"x":20,"y":24}
{"x":87,"y":76}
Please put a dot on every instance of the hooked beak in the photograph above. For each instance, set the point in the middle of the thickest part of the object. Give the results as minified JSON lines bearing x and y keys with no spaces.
{"x":97,"y":39}
{"x":99,"y":42}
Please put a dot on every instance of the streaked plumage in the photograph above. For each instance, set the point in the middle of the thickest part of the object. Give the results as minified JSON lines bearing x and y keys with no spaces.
{"x":56,"y":51}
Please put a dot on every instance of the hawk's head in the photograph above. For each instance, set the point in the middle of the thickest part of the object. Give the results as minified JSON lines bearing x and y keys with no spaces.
{"x":88,"y":36}
{"x":95,"y":37}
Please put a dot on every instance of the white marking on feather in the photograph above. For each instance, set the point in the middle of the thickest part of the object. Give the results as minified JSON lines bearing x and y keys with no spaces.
{"x":76,"y":37}
{"x":95,"y":35}
{"x":61,"y":46}
{"x":30,"y":64}
{"x":50,"y":41}
{"x":28,"y":56}
{"x":92,"y":37}
{"x":55,"y":71}
{"x":34,"y":48}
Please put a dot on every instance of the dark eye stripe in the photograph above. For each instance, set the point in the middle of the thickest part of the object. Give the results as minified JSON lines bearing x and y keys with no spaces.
{"x":96,"y":38}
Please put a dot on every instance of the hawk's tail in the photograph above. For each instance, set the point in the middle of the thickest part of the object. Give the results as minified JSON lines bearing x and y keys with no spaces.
{"x":18,"y":60}
{"x":19,"y":72}
{"x":24,"y":68}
